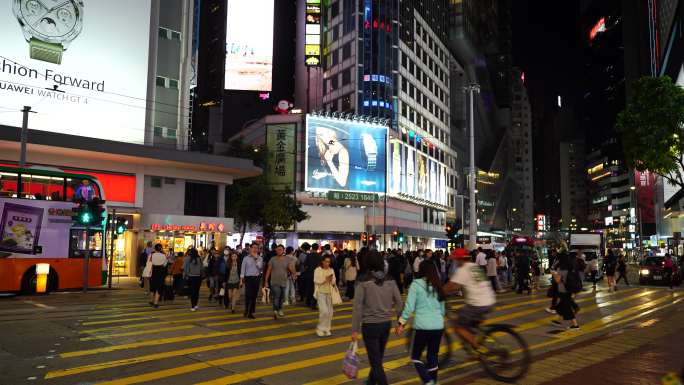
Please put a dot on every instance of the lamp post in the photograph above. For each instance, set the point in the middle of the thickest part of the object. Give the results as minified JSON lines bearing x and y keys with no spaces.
{"x":472,"y":90}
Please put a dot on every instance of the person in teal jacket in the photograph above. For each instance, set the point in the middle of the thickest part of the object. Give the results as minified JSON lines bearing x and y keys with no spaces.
{"x":426,"y":301}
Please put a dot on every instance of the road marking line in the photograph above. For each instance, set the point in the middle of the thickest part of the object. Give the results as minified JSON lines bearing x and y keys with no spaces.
{"x":40,"y":305}
{"x":397,"y":363}
{"x":136,"y":333}
{"x":261,"y":373}
{"x":199,"y":349}
{"x":170,"y":340}
{"x":550,"y":342}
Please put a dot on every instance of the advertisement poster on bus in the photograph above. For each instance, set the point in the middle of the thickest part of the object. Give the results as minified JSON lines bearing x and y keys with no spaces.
{"x":345,"y":155}
{"x":82,"y":66}
{"x":30,"y":225}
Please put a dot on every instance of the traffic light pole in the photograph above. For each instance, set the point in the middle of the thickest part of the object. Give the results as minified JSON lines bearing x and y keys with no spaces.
{"x":111,"y":247}
{"x":85,"y":259}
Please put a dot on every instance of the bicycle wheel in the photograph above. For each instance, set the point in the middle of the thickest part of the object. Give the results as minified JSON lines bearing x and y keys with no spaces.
{"x":506,"y":356}
{"x":445,"y":348}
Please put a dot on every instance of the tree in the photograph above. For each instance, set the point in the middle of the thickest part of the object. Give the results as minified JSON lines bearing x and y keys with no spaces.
{"x":281,"y":211}
{"x":651,"y":128}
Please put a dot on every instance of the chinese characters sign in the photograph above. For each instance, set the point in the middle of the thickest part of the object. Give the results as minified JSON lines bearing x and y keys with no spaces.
{"x":280,"y":140}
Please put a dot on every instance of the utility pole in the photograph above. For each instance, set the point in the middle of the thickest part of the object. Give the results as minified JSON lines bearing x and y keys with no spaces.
{"x":112,"y":225}
{"x":472,"y":90}
{"x":86,"y":259}
{"x":24,"y":136}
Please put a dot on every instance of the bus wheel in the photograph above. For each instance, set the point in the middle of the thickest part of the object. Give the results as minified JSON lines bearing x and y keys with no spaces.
{"x":28,"y":281}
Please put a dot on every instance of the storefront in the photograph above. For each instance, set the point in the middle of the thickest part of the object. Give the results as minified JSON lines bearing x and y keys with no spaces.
{"x":176,"y":233}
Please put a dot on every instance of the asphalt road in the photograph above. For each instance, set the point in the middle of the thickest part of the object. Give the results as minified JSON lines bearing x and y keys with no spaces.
{"x":115,"y":337}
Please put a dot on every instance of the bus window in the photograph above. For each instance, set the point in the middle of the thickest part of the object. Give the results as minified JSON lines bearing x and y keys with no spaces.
{"x":8,"y":184}
{"x":42,"y":187}
{"x":77,"y":244}
{"x":81,"y":189}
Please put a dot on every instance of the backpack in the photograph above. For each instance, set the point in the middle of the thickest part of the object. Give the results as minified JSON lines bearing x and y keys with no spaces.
{"x":573,"y":282}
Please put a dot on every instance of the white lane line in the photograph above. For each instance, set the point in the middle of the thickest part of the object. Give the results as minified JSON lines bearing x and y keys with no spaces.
{"x":40,"y":305}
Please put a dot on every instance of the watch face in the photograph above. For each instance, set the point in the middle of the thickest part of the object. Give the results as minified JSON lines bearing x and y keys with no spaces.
{"x":52,"y":21}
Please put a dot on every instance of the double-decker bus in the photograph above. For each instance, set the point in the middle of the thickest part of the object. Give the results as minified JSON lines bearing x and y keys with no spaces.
{"x":36,"y":227}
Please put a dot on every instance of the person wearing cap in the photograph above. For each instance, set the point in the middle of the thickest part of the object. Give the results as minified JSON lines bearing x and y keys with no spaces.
{"x":478,"y":293}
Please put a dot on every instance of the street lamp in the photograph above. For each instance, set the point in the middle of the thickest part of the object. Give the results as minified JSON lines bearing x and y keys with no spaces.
{"x":472,"y":90}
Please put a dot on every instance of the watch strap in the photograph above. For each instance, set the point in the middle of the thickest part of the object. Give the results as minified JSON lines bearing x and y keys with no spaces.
{"x":48,"y":52}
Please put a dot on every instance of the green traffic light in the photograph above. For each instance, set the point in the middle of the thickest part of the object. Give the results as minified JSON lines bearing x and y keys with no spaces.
{"x":86,"y":217}
{"x":120,"y":229}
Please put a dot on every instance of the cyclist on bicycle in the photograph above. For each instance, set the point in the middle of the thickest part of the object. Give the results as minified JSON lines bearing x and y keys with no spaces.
{"x":478,"y":293}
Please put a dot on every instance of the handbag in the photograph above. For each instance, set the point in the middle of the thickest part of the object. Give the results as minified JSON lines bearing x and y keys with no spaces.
{"x":350,"y":364}
{"x":222,"y":292}
{"x":335,"y":296}
{"x":168,"y":280}
{"x":147,"y":271}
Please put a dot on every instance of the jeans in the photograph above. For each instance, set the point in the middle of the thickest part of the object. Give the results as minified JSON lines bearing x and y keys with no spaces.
{"x":375,"y":338}
{"x":431,"y":339}
{"x":290,"y":291}
{"x":251,"y":293}
{"x":194,"y":283}
{"x":495,"y":283}
{"x":278,"y":293}
{"x":325,"y":313}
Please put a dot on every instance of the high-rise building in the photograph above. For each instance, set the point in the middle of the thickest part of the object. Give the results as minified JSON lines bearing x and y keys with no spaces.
{"x":480,"y":37}
{"x":391,"y":60}
{"x":573,"y":197}
{"x":521,"y":157}
{"x":620,"y":45}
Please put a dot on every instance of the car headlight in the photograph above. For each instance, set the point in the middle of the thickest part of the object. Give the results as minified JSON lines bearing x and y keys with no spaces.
{"x":644,"y":272}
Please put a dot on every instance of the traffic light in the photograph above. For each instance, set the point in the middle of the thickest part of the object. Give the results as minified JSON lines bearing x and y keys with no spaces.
{"x":451,"y":230}
{"x":395,"y":236}
{"x":98,"y":211}
{"x":400,"y":238}
{"x":120,"y":226}
{"x":82,"y":214}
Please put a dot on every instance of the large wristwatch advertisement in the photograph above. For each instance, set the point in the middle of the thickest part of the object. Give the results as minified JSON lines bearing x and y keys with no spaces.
{"x":49,"y":26}
{"x":83,"y":66}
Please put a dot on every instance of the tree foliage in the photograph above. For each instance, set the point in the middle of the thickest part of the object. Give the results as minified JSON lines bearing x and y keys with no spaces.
{"x":251,"y":202}
{"x":651,"y":128}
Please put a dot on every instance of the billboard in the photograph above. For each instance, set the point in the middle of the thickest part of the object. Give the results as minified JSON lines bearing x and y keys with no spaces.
{"x":280,"y":141}
{"x":249,"y":45}
{"x":416,"y":174}
{"x":344,"y":155}
{"x":312,"y":40}
{"x":96,"y":55}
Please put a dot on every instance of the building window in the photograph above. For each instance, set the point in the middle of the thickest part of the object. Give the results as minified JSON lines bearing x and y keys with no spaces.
{"x":346,"y":51}
{"x":166,"y":82}
{"x":170,"y":133}
{"x":169,"y":180}
{"x":156,"y":182}
{"x":158,"y":131}
{"x":346,"y":76}
{"x":169,"y":34}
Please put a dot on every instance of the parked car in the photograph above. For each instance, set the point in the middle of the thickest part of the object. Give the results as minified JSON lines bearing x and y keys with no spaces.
{"x":652,"y":271}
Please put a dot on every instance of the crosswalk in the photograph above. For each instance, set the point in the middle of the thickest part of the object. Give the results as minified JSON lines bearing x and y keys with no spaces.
{"x":131,"y":343}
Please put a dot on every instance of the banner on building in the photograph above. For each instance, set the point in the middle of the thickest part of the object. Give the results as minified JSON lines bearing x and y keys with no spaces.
{"x":645,"y":189}
{"x":280,"y":141}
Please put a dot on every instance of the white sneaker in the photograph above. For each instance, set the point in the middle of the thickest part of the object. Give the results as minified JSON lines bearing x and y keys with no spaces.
{"x":281,"y":314}
{"x":286,"y":303}
{"x":193,"y":308}
{"x":328,"y":333}
{"x":320,"y":333}
{"x":550,"y":311}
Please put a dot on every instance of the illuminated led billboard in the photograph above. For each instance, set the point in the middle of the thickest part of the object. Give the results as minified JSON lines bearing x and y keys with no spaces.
{"x":81,"y":65}
{"x":249,"y":45}
{"x":415,"y":174}
{"x":312,"y":33}
{"x":344,"y":155}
